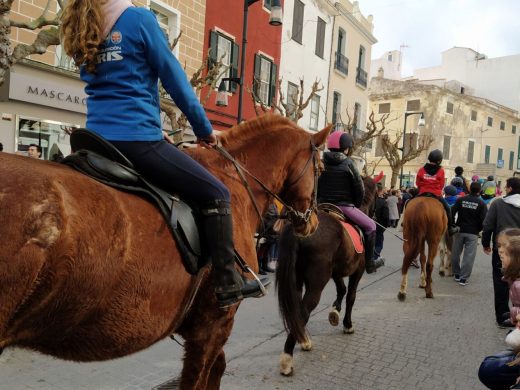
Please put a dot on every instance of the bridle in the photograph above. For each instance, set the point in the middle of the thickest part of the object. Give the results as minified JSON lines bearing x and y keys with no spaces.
{"x":295,"y":216}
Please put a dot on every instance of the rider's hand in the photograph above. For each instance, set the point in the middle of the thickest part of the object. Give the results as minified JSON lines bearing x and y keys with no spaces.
{"x":167,"y":138}
{"x":487,"y":251}
{"x":208,"y":142}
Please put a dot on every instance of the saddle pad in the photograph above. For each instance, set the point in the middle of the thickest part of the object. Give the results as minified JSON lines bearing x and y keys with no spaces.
{"x":355,"y":237}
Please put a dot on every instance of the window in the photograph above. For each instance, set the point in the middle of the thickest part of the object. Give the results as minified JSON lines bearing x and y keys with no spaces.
{"x":487,"y":154}
{"x":379,"y":146}
{"x":513,"y":129}
{"x":224,"y":49}
{"x":297,"y":26}
{"x":264,"y":83}
{"x":413,"y":105}
{"x":168,"y":19}
{"x":473,"y":115}
{"x":292,"y":95}
{"x":502,"y":125}
{"x":315,"y":112}
{"x":267,"y":4}
{"x":384,"y":108}
{"x":362,"y":75}
{"x":511,"y":160}
{"x":341,"y":61}
{"x":336,"y":108}
{"x":52,"y":137}
{"x":449,"y":108}
{"x":320,"y":38}
{"x":500,"y":158}
{"x":471,"y":150}
{"x":446,"y":147}
{"x":490,"y":121}
{"x":389,"y":57}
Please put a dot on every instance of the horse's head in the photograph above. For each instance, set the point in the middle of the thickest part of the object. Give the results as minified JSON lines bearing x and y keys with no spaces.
{"x":300,"y":186}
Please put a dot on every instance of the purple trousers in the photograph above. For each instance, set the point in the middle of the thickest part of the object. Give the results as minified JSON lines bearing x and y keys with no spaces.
{"x":366,"y":223}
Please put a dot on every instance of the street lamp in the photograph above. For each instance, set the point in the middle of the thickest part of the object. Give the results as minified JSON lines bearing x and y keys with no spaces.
{"x":274,"y":20}
{"x":421,"y":123}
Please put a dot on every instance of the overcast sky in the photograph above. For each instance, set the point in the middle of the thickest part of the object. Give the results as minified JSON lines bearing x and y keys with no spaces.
{"x":429,"y":27}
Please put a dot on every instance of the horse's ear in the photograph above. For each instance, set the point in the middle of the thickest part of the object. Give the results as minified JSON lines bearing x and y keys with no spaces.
{"x":320,"y":137}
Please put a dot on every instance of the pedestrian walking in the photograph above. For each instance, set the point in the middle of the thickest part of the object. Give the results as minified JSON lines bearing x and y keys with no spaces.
{"x":503,"y":213}
{"x":470,"y":212}
{"x":459,"y":171}
{"x":382,"y":218}
{"x":392,"y":202}
{"x":502,"y":370}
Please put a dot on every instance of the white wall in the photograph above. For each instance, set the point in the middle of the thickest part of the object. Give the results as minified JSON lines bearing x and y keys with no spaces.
{"x":496,"y":79}
{"x":299,"y":60}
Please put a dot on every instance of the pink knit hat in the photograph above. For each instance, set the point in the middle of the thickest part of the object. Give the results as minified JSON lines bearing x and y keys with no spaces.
{"x":339,"y":140}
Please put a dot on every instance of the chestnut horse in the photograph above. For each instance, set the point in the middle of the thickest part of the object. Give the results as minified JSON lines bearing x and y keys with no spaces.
{"x":311,"y":262}
{"x":425,"y":222}
{"x":90,"y":273}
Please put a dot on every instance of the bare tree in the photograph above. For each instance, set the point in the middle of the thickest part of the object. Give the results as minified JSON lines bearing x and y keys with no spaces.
{"x":46,"y":36}
{"x":398,"y":157}
{"x":291,"y":107}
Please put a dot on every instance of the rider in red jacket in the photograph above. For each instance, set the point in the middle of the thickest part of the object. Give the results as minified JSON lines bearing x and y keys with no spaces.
{"x":430,"y":180}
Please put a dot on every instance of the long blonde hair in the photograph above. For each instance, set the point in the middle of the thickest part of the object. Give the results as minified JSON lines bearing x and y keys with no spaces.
{"x":81,"y":26}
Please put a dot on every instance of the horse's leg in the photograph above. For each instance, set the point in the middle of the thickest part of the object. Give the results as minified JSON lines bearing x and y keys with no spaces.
{"x":410,"y":253}
{"x":353,"y":282}
{"x":311,"y":298}
{"x":443,"y":267}
{"x":205,"y":332}
{"x":422,"y":284}
{"x":341,"y":290}
{"x":216,"y":372}
{"x":432,"y":252}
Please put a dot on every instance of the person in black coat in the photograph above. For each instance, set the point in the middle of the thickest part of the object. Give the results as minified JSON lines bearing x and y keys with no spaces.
{"x":382,"y":217}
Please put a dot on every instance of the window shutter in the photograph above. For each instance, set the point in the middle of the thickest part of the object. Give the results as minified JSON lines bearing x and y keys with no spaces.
{"x":256,"y":76}
{"x":320,"y":38}
{"x":213,"y":45}
{"x":234,"y":65}
{"x":272,"y":85}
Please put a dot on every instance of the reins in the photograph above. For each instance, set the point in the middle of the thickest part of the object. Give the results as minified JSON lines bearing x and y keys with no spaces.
{"x":294,"y":215}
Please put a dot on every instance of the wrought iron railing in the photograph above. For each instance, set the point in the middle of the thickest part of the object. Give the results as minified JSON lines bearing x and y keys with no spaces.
{"x":341,"y":63}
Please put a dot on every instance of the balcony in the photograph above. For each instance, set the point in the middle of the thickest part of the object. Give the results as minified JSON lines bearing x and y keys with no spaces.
{"x":361,"y":77}
{"x":341,"y":63}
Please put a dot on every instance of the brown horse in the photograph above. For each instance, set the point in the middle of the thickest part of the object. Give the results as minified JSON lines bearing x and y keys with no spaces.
{"x":424,"y":223}
{"x":91,"y":273}
{"x":311,"y":262}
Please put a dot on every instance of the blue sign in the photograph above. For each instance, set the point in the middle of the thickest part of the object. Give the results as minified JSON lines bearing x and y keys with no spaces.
{"x":500,"y":163}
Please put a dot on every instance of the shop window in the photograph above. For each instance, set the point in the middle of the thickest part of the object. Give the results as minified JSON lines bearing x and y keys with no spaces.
{"x":52,"y":137}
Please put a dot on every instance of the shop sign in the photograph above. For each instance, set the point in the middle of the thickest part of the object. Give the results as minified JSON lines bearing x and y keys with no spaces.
{"x":34,"y":90}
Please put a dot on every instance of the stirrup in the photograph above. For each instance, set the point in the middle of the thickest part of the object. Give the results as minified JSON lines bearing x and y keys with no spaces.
{"x":255,"y":276}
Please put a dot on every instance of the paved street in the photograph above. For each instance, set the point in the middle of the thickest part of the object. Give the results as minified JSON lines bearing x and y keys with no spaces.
{"x":418,"y":344}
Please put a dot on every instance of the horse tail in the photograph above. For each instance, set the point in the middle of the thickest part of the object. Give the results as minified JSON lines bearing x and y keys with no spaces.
{"x":290,"y":301}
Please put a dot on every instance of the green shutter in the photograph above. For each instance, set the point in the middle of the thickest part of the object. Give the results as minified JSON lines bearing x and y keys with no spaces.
{"x":272,"y":84}
{"x":256,"y":76}
{"x":213,"y":49}
{"x":234,"y":65}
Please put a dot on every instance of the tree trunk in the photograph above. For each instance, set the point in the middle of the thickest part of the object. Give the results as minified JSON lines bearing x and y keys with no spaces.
{"x":5,"y":41}
{"x":395,"y":175}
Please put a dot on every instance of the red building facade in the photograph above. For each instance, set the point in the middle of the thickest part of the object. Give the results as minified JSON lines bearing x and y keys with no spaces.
{"x":223,"y":35}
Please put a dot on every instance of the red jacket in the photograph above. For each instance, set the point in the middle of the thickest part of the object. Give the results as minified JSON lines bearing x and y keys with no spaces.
{"x":430,"y":178}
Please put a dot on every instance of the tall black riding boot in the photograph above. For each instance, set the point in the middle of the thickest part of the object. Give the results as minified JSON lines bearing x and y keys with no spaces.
{"x":230,"y":288}
{"x":371,"y":265}
{"x":452,"y":228}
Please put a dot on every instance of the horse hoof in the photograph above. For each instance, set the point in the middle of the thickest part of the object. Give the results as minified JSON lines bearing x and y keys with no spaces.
{"x":286,"y":364}
{"x":348,"y":330}
{"x":306,"y":345}
{"x":422,"y":286}
{"x":429,"y":295}
{"x":334,"y":317}
{"x":441,"y":273}
{"x":401,"y":296}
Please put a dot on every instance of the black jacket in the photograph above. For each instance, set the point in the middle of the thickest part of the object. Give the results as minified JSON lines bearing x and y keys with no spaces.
{"x":503,"y":213}
{"x":382,"y":214}
{"x":340,"y":182}
{"x":471,"y":211}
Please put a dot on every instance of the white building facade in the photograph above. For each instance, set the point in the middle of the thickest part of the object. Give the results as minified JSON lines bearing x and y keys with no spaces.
{"x":306,"y":50}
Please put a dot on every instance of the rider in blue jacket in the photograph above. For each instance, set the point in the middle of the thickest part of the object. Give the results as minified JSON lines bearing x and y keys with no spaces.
{"x":122,"y":53}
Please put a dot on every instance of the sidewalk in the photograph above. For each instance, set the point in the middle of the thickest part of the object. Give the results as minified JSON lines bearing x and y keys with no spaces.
{"x":417,"y":344}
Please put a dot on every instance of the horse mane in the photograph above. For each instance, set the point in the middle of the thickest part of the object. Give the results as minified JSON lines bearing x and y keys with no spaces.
{"x":258,"y":127}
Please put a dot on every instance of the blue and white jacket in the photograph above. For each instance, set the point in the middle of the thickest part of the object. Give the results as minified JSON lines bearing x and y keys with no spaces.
{"x":123,"y":96}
